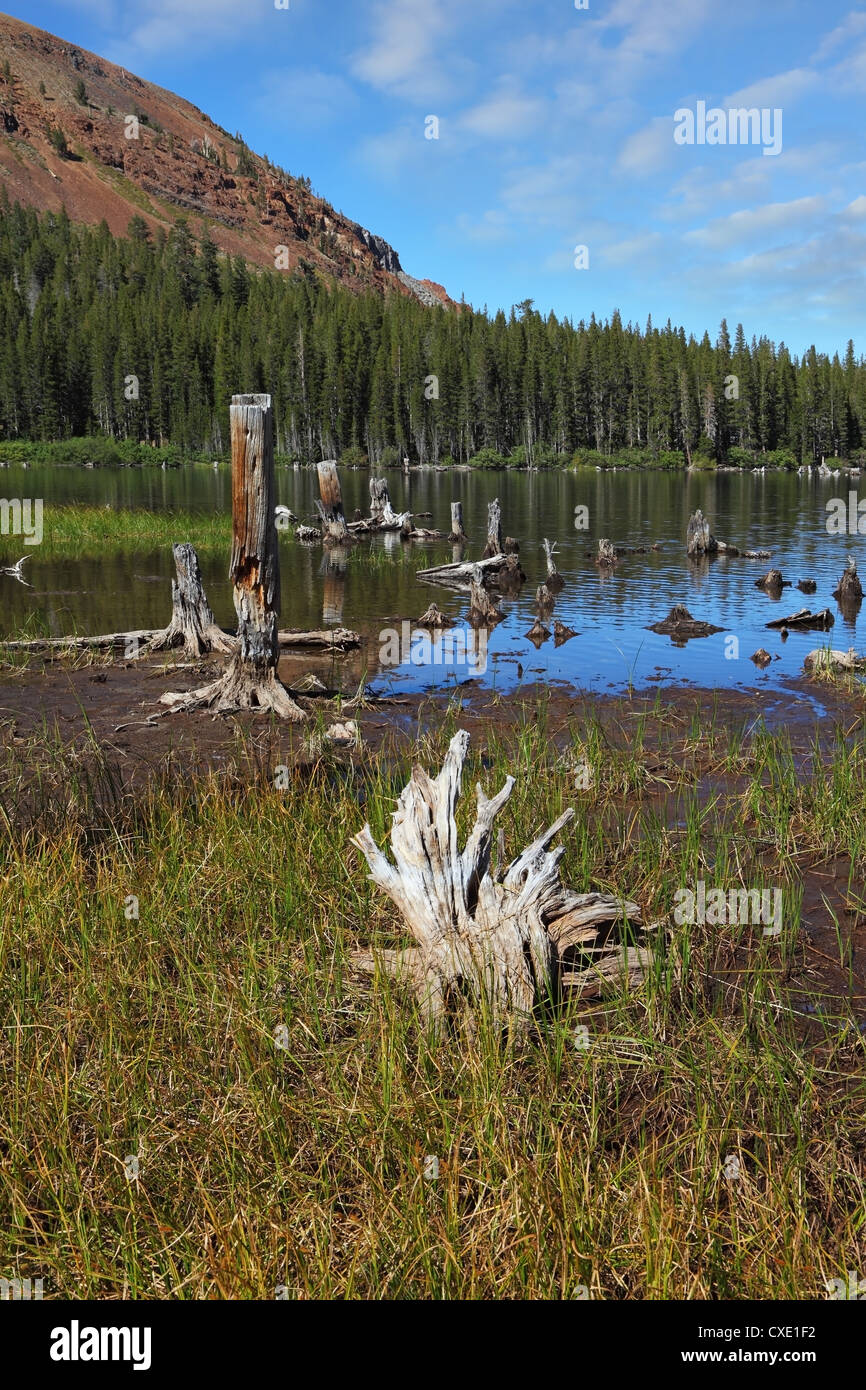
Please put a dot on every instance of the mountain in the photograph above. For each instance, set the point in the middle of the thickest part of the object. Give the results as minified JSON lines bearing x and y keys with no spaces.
{"x":80,"y":132}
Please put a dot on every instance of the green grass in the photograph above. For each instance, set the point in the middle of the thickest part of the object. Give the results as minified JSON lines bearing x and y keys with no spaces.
{"x":298,"y":1159}
{"x":79,"y":532}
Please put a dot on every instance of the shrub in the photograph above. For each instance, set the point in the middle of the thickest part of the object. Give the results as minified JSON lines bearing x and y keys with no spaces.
{"x":784,"y":458}
{"x":353,"y":457}
{"x":58,"y":141}
{"x":741,"y":458}
{"x":487,"y":458}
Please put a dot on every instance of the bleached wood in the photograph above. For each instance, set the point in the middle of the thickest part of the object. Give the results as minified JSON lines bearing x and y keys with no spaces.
{"x":494,"y":941}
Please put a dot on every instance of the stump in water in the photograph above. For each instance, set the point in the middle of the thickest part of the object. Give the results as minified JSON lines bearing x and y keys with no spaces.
{"x":698,"y":538}
{"x":849,"y":589}
{"x":494,"y":530}
{"x":772,"y":582}
{"x":562,"y":633}
{"x":555,"y":580}
{"x":433,"y":619}
{"x":807,"y":586}
{"x":483,"y":610}
{"x":497,"y":942}
{"x":510,"y":577}
{"x":192,"y":623}
{"x":250,"y":681}
{"x":330,"y":508}
{"x":606,"y":553}
{"x":511,"y":546}
{"x":680,"y":626}
{"x":457,"y":532}
{"x":382,"y":514}
{"x":544,"y":600}
{"x":538,"y":633}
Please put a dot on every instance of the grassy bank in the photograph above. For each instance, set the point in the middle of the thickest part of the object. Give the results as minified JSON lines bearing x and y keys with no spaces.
{"x":706,"y":1143}
{"x":82,"y":532}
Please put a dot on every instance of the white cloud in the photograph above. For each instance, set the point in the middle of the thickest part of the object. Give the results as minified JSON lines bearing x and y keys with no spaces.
{"x":784,"y":89}
{"x":507,"y":113}
{"x":408,"y":55}
{"x":857,"y":209}
{"x":650,"y":149}
{"x":492,"y":226}
{"x":167,"y":25}
{"x":852,"y":26}
{"x":750,"y":223}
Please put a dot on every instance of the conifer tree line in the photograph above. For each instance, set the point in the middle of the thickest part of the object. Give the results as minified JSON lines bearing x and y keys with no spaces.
{"x":146,"y":338}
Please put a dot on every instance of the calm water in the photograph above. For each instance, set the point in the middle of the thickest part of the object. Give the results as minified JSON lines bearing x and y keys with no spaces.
{"x":377,"y":587}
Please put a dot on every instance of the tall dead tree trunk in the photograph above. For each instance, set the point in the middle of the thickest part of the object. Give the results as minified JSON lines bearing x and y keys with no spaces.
{"x":250,"y":681}
{"x":497,"y":942}
{"x":334,"y":528}
{"x":192,"y":623}
{"x":494,"y":530}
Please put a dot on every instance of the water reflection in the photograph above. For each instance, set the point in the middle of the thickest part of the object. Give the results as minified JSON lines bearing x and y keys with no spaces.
{"x":374,"y":582}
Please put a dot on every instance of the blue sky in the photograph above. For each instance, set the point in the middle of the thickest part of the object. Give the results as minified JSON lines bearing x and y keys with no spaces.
{"x":555,"y":130}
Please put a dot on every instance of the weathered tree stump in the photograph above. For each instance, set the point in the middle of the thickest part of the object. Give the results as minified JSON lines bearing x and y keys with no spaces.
{"x":382,"y":514}
{"x":510,"y":577}
{"x":699,"y":541}
{"x":495,"y":943}
{"x":538,"y":633}
{"x":483,"y":609}
{"x":192,"y":625}
{"x":330,"y":507}
{"x":494,"y":544}
{"x":554,"y":580}
{"x":680,"y":626}
{"x":562,"y":633}
{"x":433,"y":619}
{"x":511,"y":546}
{"x":807,"y":586}
{"x":457,"y":533}
{"x":849,"y":589}
{"x":544,"y":600}
{"x":606,"y":553}
{"x":250,"y":682}
{"x":772,"y":582}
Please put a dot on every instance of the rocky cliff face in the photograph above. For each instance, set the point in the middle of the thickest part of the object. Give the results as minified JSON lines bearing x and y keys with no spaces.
{"x":80,"y":132}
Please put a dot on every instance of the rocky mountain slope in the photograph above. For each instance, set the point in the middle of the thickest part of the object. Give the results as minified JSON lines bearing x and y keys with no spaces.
{"x":80,"y":132}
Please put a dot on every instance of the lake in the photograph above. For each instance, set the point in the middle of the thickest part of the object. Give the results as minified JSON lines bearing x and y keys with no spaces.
{"x":377,"y":588}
